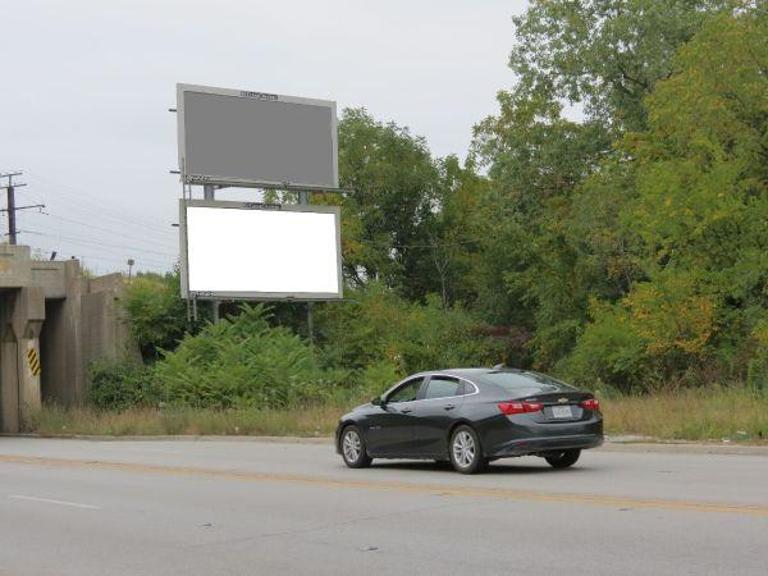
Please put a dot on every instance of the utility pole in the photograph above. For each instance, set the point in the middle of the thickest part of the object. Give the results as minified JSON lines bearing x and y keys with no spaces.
{"x":11,"y":207}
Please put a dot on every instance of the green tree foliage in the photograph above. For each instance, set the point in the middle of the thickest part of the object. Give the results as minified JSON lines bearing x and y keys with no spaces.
{"x":404,"y":212}
{"x":526,"y":268}
{"x":637,"y":234}
{"x":157,"y":312}
{"x":604,"y":54}
{"x":392,"y":181}
{"x":699,"y":212}
{"x":377,"y":326}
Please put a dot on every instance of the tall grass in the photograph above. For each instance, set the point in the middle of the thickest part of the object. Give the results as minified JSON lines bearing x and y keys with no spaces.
{"x":309,"y":421}
{"x":696,"y":414}
{"x":711,"y":414}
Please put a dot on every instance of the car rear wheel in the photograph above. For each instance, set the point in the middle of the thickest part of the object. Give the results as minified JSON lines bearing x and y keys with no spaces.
{"x":465,"y":451}
{"x":563,"y":459}
{"x":353,"y":448}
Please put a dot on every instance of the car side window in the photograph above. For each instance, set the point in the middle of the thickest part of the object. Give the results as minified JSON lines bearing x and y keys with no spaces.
{"x":407,"y":392}
{"x":441,"y":387}
{"x":465,"y":388}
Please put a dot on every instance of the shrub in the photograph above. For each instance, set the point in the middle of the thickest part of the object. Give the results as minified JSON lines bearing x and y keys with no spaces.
{"x":376,"y":378}
{"x":121,"y":385}
{"x":242,"y":362}
{"x":376,"y":327}
{"x":609,"y":352}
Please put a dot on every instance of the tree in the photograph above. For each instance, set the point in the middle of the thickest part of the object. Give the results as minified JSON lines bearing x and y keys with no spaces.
{"x":606,"y":55}
{"x":700,"y":210}
{"x":405,"y":215}
{"x":557,"y":227}
{"x":157,"y":312}
{"x":446,"y":261}
{"x":392,"y":180}
{"x":527,"y":269}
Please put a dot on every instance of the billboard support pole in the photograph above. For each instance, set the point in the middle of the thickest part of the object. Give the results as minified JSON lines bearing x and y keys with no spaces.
{"x":304,"y":201}
{"x":209,"y":193}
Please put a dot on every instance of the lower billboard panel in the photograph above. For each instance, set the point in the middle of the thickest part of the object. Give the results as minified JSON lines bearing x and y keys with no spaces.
{"x":261,"y":252}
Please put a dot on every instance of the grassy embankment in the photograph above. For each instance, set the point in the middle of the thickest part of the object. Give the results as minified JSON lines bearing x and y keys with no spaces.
{"x":714,"y":414}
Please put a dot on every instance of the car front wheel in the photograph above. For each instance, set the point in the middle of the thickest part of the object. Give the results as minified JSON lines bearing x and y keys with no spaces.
{"x":353,"y":448}
{"x":563,"y":459}
{"x":465,"y":451}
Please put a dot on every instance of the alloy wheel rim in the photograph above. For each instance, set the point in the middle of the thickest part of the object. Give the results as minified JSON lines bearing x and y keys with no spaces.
{"x":352,"y":446}
{"x":464,"y":449}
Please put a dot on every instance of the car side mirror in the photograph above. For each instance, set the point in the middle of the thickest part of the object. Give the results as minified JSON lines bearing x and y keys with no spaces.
{"x":378,"y":401}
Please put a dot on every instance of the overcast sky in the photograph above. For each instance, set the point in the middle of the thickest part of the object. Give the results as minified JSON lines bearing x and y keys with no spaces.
{"x":87,"y":85}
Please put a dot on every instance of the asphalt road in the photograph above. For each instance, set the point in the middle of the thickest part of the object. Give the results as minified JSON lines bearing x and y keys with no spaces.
{"x":244,"y":507}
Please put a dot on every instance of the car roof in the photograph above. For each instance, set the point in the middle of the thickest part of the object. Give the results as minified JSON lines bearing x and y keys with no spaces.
{"x":468,"y":373}
{"x":475,"y":376}
{"x":463,"y":372}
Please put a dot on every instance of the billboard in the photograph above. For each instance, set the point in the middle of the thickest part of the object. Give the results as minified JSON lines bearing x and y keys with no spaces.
{"x":245,"y":138}
{"x":243,"y":250}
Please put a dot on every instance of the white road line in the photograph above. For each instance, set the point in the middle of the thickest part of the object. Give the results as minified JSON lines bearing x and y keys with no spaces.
{"x":51,"y":501}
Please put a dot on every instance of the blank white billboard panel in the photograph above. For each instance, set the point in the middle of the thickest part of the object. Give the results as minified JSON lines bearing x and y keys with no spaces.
{"x":238,"y":251}
{"x":239,"y":137}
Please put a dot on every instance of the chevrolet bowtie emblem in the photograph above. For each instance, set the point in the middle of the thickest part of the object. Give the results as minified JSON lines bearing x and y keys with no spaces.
{"x":562,"y":400}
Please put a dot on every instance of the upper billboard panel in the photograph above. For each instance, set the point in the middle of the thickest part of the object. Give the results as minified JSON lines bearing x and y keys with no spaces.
{"x":243,"y":138}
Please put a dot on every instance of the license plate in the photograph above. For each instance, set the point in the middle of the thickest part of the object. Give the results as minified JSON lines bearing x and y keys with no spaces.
{"x":562,"y":412}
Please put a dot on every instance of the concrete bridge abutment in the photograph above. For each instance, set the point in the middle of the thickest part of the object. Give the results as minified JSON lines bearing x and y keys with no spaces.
{"x":46,"y":341}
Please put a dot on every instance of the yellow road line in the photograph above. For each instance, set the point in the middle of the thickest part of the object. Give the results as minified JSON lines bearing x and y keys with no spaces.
{"x":600,"y":500}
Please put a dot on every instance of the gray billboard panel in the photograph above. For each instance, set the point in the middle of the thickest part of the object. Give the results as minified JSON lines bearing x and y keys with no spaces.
{"x":253,"y":251}
{"x":239,"y":137}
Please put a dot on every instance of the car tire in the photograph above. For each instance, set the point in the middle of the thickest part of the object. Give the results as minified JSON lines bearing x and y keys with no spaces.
{"x":353,"y":448}
{"x":563,"y":459}
{"x":465,"y":451}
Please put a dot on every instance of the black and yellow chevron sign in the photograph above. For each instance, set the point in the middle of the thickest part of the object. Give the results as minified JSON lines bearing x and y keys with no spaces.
{"x":34,"y":362}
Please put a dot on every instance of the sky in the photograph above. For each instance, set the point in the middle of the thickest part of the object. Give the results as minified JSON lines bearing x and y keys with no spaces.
{"x":87,"y":85}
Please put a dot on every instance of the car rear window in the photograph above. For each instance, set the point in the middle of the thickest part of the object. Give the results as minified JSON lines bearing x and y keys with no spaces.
{"x":516,"y":382}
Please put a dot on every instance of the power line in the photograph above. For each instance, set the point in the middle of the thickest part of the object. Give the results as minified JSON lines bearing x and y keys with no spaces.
{"x":101,"y":244}
{"x":106,"y":254}
{"x":97,"y":228}
{"x":119,"y":250}
{"x":94,"y":202}
{"x":103,"y":214}
{"x":120,"y":263}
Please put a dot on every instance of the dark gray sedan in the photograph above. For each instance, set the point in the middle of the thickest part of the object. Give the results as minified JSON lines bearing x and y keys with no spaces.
{"x":471,"y":416}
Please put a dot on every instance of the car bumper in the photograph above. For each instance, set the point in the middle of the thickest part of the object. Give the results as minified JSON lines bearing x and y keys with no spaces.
{"x":523,"y":447}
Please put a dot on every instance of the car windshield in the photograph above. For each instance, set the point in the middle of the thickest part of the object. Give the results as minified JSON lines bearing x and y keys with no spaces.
{"x":530,"y":382}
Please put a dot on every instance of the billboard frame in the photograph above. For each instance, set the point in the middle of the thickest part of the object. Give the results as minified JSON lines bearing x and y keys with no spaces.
{"x":255,"y":296}
{"x":225,"y":181}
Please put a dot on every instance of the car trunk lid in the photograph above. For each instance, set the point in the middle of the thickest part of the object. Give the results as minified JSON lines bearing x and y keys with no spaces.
{"x":562,"y":406}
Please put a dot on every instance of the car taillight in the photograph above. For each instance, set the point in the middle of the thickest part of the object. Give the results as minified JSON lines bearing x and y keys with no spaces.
{"x":510,"y":408}
{"x":591,"y":404}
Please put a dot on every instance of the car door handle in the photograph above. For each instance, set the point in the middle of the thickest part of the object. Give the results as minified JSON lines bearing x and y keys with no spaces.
{"x":449,"y":407}
{"x":406,"y":410}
